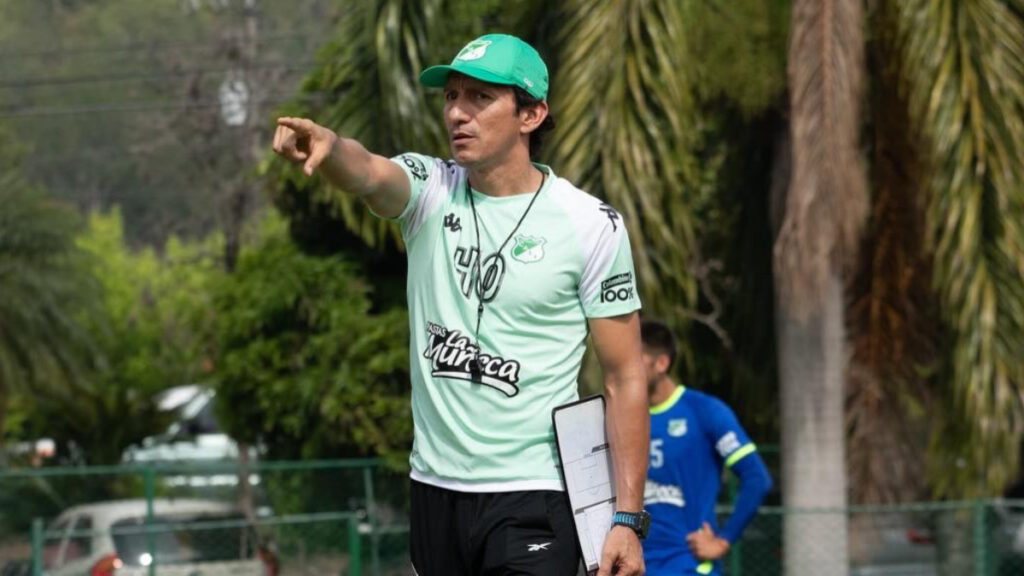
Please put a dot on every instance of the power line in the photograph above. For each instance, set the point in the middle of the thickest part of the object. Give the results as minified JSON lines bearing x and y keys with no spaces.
{"x":141,"y":107}
{"x":90,"y":79}
{"x":145,"y":47}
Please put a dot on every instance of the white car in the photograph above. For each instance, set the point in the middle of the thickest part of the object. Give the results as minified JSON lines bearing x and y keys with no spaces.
{"x":191,"y":537}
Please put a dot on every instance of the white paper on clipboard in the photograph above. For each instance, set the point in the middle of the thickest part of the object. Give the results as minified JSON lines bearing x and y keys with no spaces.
{"x":587,"y":469}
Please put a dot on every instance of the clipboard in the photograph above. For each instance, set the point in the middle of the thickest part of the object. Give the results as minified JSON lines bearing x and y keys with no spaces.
{"x":587,"y":472}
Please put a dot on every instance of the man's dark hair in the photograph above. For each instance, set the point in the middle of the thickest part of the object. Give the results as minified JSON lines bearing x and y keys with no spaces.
{"x":658,"y":337}
{"x":524,"y":100}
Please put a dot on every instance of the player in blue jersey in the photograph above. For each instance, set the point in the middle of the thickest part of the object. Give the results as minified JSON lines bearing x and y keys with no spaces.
{"x":693,"y":437}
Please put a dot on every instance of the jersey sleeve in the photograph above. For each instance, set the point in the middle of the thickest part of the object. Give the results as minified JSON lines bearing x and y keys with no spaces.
{"x":429,"y":183}
{"x":608,"y":282}
{"x":723,"y":429}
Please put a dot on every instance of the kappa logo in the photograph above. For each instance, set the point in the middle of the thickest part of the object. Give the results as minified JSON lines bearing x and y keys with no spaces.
{"x":451,"y":222}
{"x":528,"y":249}
{"x":613,"y":216}
{"x":537,"y":547}
{"x":677,"y":428}
{"x":475,"y":50}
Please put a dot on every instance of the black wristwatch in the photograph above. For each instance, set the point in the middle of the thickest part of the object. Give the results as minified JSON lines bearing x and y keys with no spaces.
{"x":639,"y":522}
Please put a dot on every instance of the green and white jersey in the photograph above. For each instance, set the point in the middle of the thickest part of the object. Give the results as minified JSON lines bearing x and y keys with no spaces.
{"x":569,"y":260}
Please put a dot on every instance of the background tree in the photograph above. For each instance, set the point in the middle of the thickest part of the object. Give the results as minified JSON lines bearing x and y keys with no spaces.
{"x":965,"y":96}
{"x":821,"y":209}
{"x":126,"y":98}
{"x":303,"y":367}
{"x":42,"y":283}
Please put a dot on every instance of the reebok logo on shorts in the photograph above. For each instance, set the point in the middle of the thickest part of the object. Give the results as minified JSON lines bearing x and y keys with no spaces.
{"x":538,"y":547}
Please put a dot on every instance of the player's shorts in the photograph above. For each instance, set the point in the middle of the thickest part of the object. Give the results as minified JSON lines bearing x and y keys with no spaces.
{"x":492,"y":534}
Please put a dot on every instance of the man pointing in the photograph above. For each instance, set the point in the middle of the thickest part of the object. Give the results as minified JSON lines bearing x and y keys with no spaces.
{"x":510,"y":269}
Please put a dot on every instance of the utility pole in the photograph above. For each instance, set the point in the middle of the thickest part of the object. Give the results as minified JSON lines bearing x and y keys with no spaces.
{"x":239,"y":198}
{"x":241,"y":190}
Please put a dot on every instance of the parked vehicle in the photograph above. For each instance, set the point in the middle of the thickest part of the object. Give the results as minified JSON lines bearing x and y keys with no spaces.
{"x":185,"y":537}
{"x":195,"y":436}
{"x":17,"y":568}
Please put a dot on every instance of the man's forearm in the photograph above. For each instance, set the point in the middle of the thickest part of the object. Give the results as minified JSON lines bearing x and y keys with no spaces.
{"x":755,"y":482}
{"x":348,"y":167}
{"x":629,"y":432}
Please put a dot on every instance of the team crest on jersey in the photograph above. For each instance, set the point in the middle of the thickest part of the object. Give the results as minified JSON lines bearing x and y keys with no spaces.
{"x":475,"y":50}
{"x":677,"y":428}
{"x":450,"y":353}
{"x":528,"y":249}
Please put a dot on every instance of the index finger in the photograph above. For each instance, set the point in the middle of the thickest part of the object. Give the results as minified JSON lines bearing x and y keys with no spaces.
{"x":298,"y":124}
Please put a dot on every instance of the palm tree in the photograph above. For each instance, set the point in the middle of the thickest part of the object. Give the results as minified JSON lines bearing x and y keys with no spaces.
{"x":822,"y":209}
{"x":631,"y":96}
{"x":627,"y":116}
{"x":965,"y":93}
{"x":365,"y":87}
{"x":892,"y":315}
{"x":39,"y":288}
{"x":368,"y":77}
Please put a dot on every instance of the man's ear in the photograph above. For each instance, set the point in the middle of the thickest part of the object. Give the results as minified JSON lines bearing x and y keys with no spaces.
{"x":661,"y":363}
{"x":532,"y":117}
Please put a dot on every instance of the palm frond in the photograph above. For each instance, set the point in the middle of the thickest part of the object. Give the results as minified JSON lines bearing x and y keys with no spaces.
{"x":827,"y":200}
{"x":40,"y":289}
{"x":965,"y":85}
{"x":894,"y":334}
{"x":628,"y":131}
{"x":364,"y":86}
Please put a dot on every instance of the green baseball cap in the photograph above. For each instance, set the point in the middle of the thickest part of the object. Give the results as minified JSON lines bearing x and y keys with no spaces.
{"x":498,"y":59}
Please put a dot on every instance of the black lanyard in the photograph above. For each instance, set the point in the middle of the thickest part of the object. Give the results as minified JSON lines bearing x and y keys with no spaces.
{"x":475,"y":366}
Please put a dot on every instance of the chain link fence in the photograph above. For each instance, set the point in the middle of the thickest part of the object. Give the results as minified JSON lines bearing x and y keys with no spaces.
{"x":351,"y":517}
{"x":274,"y":518}
{"x":982,"y":538}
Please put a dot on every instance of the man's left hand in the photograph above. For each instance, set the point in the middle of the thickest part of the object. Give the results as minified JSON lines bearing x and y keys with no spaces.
{"x":622,"y":555}
{"x":705,"y":545}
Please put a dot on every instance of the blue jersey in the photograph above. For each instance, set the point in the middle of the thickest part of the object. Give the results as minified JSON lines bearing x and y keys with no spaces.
{"x":693,"y":437}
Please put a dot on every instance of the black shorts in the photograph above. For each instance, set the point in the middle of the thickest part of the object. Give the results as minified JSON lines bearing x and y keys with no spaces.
{"x":527,"y":533}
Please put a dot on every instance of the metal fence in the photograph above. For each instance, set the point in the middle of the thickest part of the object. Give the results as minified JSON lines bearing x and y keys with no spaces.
{"x":351,"y":517}
{"x":980,"y":538}
{"x":300,"y":518}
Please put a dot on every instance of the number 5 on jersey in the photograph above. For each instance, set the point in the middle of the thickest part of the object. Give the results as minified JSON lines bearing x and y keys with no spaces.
{"x":657,"y":456}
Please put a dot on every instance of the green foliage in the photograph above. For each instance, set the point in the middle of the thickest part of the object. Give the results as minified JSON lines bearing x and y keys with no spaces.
{"x":41,"y":285}
{"x":302,"y":365}
{"x":651,"y":99}
{"x":740,"y":53}
{"x":965,"y":87}
{"x":123,"y":96}
{"x":365,"y":87}
{"x":148,"y":332}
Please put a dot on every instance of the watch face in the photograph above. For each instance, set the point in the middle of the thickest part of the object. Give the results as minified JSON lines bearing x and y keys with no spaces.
{"x":645,"y":523}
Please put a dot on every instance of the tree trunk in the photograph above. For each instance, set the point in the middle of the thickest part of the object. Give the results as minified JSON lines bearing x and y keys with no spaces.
{"x":811,"y":368}
{"x":245,"y":496}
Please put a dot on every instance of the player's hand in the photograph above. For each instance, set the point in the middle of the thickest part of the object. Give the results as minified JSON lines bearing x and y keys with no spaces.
{"x":622,"y":554}
{"x":302,"y":140}
{"x":705,"y":545}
